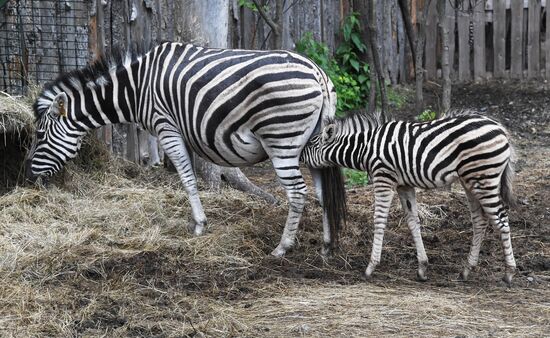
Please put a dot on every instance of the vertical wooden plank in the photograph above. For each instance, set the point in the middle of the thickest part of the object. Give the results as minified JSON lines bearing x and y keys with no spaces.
{"x":516,"y":63}
{"x":430,"y":56}
{"x":547,"y":47}
{"x":479,"y":43}
{"x":451,"y":24}
{"x":463,"y":23}
{"x":402,"y":46}
{"x":533,"y":40}
{"x":499,"y":38}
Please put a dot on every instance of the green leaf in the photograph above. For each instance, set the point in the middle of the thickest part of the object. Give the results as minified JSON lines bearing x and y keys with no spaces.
{"x":356,"y":39}
{"x":362,"y":78}
{"x":354,"y":64}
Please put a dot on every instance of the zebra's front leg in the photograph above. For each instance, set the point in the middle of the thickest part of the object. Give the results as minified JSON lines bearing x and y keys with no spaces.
{"x":408,"y":202}
{"x":383,"y":195}
{"x":175,"y":149}
{"x":292,"y":180}
{"x":317,"y":180}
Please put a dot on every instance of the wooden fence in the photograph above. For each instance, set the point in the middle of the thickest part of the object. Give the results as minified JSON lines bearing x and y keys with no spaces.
{"x":39,"y":39}
{"x":503,"y":39}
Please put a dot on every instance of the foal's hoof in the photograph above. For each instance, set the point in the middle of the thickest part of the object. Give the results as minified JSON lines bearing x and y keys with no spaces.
{"x":326,"y":250}
{"x":507,"y":278}
{"x":421,"y":276}
{"x":464,"y":275}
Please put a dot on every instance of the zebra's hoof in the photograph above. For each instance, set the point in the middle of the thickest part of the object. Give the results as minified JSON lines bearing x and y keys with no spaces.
{"x":279,"y":251}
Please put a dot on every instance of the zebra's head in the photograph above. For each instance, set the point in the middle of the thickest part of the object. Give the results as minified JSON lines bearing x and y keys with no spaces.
{"x":56,"y":139}
{"x":316,"y":153}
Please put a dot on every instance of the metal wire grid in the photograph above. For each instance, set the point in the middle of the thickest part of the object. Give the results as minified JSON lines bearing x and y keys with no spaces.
{"x":39,"y":40}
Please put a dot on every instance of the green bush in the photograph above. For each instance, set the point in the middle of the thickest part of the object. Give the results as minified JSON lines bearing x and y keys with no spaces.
{"x":355,"y":178}
{"x":426,"y":116}
{"x":350,"y":75}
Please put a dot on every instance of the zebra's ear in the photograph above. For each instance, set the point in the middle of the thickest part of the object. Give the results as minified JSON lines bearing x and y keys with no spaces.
{"x":59,"y":105}
{"x":328,"y":133}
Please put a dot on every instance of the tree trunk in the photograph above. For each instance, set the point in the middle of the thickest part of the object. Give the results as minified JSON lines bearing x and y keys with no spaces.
{"x":373,"y":39}
{"x":445,"y":67}
{"x":411,"y":35}
{"x":208,"y":23}
{"x":361,"y":7}
{"x":419,"y":69}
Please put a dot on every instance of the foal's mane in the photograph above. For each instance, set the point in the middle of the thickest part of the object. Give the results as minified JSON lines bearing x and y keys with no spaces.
{"x":354,"y":116}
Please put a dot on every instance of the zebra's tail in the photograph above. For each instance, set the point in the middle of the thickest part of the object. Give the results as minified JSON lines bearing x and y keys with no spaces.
{"x":334,"y":201}
{"x":506,"y":186}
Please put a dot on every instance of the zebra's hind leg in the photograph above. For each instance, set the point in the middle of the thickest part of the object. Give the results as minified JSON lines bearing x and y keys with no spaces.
{"x":479,"y":225}
{"x":327,"y":245}
{"x":383,"y":195}
{"x":407,"y":197}
{"x":174,"y":148}
{"x":494,"y":210}
{"x":291,"y":178}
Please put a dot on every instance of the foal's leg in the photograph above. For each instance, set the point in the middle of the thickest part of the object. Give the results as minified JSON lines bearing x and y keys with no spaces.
{"x":408,"y":202}
{"x":316,"y":175}
{"x":383,"y":195}
{"x":479,"y":225}
{"x":174,"y":148}
{"x":291,"y":179}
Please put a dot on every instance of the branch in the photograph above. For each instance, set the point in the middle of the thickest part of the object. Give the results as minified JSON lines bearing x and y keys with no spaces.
{"x":408,"y":28}
{"x":266,"y":17}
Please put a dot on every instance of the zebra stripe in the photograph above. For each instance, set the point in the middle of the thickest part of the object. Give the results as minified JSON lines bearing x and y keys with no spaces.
{"x":400,"y":156}
{"x":232,"y":107}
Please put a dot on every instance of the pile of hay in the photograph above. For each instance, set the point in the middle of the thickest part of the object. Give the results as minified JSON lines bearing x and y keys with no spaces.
{"x":16,"y":127}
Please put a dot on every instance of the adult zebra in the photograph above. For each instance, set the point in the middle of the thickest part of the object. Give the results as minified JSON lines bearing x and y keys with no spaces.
{"x":398,"y":155}
{"x":232,"y":107}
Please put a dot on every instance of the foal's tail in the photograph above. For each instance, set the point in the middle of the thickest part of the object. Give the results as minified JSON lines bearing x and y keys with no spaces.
{"x":506,"y":186}
{"x":334,"y":201}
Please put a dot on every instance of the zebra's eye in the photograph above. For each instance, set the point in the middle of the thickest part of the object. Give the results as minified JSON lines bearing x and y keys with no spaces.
{"x":40,"y":134}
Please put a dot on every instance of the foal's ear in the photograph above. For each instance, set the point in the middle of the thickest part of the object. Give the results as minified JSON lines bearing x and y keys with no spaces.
{"x":328,"y":133}
{"x":59,"y":105}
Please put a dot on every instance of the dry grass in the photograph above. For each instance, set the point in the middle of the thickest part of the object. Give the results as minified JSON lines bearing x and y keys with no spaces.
{"x":107,"y":254}
{"x":15,"y":114}
{"x":104,"y":252}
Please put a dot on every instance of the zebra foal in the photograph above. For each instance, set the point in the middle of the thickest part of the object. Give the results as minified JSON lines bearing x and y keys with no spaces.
{"x":398,"y":155}
{"x":232,"y":107}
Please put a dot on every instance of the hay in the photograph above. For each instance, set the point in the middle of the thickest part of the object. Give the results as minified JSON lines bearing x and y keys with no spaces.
{"x":15,"y":114}
{"x":16,"y":127}
{"x":107,"y":253}
{"x":104,"y":251}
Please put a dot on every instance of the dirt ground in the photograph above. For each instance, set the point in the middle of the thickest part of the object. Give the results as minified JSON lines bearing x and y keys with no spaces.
{"x":106,"y":254}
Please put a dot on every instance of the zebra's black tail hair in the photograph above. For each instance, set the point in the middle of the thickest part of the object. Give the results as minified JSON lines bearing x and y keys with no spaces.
{"x":334,"y":201}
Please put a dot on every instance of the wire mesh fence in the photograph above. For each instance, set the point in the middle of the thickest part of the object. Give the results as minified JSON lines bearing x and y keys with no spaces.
{"x":41,"y":39}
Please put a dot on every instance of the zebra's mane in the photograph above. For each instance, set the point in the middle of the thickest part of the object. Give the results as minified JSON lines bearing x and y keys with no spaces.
{"x":92,"y":75}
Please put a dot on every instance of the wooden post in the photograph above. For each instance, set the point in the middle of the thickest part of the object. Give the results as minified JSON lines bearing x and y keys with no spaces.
{"x":445,"y":67}
{"x":430,"y":54}
{"x":516,"y":57}
{"x":463,"y":21}
{"x":499,"y":38}
{"x":533,"y":40}
{"x":97,"y":46}
{"x":479,"y":43}
{"x":547,"y":70}
{"x":451,"y":27}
